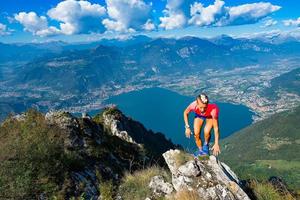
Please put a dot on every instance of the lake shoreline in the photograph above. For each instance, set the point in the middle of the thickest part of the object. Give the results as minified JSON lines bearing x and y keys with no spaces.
{"x":160,"y":110}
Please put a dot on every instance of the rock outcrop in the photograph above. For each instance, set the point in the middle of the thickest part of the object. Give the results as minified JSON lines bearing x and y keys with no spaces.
{"x":159,"y":186}
{"x":116,"y":123}
{"x":209,"y":178}
{"x":68,"y":123}
{"x":135,"y":133}
{"x":94,"y":153}
{"x":107,"y":145}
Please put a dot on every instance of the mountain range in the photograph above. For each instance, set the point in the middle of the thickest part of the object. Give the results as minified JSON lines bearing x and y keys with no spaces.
{"x":86,"y":69}
{"x":45,"y":75}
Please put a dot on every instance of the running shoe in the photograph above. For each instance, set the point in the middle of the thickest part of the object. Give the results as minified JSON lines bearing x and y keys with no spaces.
{"x":200,"y":153}
{"x":205,"y":148}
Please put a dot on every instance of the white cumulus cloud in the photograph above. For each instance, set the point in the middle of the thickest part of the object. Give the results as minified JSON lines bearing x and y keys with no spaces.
{"x":149,"y":25}
{"x":176,"y":14}
{"x":35,"y":24}
{"x":172,"y":21}
{"x":269,"y":22}
{"x":204,"y":16}
{"x":292,"y":22}
{"x":78,"y":16}
{"x":216,"y":14}
{"x":249,"y":13}
{"x":4,"y":30}
{"x":127,"y":15}
{"x":114,"y":25}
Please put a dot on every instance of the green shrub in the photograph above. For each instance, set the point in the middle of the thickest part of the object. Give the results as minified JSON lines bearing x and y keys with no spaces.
{"x":112,"y":111}
{"x":98,"y":118}
{"x":31,"y":157}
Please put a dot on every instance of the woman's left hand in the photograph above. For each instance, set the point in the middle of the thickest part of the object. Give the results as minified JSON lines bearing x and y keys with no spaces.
{"x":216,"y":149}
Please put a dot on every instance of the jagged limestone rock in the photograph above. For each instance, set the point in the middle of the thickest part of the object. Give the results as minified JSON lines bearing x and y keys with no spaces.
{"x":210,"y":178}
{"x":72,"y":127}
{"x":116,"y":127}
{"x":63,"y":119}
{"x":159,"y":186}
{"x":68,"y":123}
{"x":20,"y":117}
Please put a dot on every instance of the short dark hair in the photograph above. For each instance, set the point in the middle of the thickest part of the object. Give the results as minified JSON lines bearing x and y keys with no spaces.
{"x":203,"y":98}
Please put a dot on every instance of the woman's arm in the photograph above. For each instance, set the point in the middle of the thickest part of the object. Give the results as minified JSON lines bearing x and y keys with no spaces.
{"x":185,"y":117}
{"x":216,"y":147}
{"x":186,"y":122}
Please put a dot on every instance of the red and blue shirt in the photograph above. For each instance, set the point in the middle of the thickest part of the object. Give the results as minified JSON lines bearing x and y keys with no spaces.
{"x":212,"y":110}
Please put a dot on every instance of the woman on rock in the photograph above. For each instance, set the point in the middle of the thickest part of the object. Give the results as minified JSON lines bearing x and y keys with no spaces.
{"x":204,"y":111}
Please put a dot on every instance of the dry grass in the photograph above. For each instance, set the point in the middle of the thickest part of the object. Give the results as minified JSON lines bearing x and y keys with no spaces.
{"x":182,"y":158}
{"x":265,"y":191}
{"x":106,"y":190}
{"x":135,"y":186}
{"x":186,"y":195}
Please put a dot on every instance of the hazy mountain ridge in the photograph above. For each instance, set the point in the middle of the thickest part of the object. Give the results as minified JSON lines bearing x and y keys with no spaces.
{"x":74,"y":78}
{"x":158,"y":56}
{"x":11,"y":52}
{"x":75,"y":71}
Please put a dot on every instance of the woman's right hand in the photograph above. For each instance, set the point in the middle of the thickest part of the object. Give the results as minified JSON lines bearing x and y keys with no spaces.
{"x":187,"y":132}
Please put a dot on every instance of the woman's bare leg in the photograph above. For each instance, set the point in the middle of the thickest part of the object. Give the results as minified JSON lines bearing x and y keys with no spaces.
{"x":207,"y":130}
{"x":197,"y":129}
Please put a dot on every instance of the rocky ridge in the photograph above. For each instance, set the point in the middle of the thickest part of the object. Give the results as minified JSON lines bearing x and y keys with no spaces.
{"x":91,"y":152}
{"x":209,"y":178}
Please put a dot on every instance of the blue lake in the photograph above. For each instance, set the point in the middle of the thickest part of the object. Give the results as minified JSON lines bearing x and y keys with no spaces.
{"x":162,"y":111}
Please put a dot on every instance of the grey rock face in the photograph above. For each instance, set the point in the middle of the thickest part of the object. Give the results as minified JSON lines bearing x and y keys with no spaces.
{"x":160,"y":187}
{"x":117,"y":128}
{"x":19,"y":117}
{"x":210,"y":178}
{"x":69,"y":123}
{"x":72,"y":127}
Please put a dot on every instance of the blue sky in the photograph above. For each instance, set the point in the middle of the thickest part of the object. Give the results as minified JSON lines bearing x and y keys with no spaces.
{"x":82,"y":21}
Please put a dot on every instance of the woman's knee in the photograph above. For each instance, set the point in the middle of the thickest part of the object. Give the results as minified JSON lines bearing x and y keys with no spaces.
{"x":198,"y":124}
{"x":207,"y":131}
{"x":208,"y":127}
{"x":196,"y":135}
{"x":197,"y":130}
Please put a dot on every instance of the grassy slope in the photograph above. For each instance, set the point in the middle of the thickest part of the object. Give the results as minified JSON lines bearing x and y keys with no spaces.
{"x":267,"y":148}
